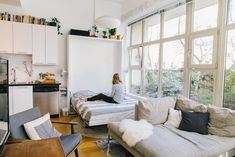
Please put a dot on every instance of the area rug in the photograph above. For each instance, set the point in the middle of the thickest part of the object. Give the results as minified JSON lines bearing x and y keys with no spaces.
{"x":100,"y":132}
{"x":113,"y":149}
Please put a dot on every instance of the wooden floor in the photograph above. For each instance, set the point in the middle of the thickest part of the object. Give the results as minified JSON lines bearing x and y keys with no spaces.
{"x":88,"y":148}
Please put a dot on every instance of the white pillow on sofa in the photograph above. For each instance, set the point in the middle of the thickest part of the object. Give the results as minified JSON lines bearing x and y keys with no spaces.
{"x":174,"y":118}
{"x":155,"y":111}
{"x":41,"y":128}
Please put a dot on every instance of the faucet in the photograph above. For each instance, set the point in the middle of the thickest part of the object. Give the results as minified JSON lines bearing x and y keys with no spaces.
{"x":13,"y":72}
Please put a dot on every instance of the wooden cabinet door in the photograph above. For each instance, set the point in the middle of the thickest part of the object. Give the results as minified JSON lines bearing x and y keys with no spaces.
{"x":51,"y":46}
{"x":39,"y":44}
{"x":6,"y":41}
{"x":22,"y":98}
{"x":23,"y":39}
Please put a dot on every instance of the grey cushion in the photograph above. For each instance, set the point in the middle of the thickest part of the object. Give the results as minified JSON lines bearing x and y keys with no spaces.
{"x":18,"y":120}
{"x":69,"y":142}
{"x":46,"y":130}
{"x":185,"y":104}
{"x":155,"y":111}
{"x":222,"y":121}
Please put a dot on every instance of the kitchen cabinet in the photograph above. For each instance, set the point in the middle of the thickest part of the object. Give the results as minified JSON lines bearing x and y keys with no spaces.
{"x":51,"y":46}
{"x":20,"y":99}
{"x":45,"y":45}
{"x":6,"y":37}
{"x":22,"y":35}
{"x":39,"y":44}
{"x":29,"y":39}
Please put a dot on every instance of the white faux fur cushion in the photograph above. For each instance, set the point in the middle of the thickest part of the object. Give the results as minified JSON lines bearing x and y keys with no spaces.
{"x":174,"y":118}
{"x":135,"y":131}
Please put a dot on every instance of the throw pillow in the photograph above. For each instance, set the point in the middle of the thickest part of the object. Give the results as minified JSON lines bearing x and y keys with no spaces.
{"x":155,"y":111}
{"x":194,"y":122}
{"x":185,"y":104}
{"x":41,"y":128}
{"x":174,"y":118}
{"x":222,"y":121}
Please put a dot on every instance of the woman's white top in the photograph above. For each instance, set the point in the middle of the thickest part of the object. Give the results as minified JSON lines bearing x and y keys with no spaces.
{"x":118,"y":92}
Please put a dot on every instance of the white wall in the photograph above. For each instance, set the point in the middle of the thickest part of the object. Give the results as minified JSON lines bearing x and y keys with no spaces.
{"x":101,"y":60}
{"x":77,"y":14}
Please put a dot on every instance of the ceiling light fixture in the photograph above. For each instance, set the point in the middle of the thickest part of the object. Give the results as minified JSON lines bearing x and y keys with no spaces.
{"x":107,"y":22}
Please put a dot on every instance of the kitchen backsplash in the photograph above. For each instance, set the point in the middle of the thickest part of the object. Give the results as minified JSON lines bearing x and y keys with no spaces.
{"x":17,"y":62}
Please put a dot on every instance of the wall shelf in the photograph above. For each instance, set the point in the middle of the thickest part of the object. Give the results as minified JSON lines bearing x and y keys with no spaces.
{"x":94,"y":38}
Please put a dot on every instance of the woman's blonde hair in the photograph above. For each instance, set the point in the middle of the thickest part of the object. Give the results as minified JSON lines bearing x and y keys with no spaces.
{"x":116,"y":79}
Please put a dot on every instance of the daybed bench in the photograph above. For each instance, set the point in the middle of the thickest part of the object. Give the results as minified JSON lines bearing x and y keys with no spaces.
{"x":167,"y":141}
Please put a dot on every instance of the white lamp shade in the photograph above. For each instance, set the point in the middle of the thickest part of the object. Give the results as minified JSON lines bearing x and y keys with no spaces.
{"x":107,"y":22}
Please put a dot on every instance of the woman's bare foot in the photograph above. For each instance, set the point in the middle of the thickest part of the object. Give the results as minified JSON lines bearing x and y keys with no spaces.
{"x":83,"y":99}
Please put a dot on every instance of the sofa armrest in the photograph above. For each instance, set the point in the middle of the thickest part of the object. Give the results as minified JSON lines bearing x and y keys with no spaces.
{"x":13,"y":141}
{"x":67,"y":123}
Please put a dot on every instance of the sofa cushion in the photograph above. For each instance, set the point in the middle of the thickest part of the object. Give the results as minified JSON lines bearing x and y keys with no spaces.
{"x":222,"y":121}
{"x":41,"y":128}
{"x":185,"y":104}
{"x":194,"y":122}
{"x":174,"y":118}
{"x":155,"y":111}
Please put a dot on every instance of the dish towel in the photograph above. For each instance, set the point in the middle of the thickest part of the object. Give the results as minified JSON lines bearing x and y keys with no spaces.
{"x":135,"y":131}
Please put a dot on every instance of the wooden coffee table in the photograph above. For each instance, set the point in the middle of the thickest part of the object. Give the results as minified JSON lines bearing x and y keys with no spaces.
{"x":38,"y":148}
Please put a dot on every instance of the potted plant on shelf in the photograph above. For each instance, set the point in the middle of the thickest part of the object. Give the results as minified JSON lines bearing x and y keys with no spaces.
{"x":112,"y":33}
{"x":94,"y":32}
{"x":105,"y":34}
{"x":56,"y":23}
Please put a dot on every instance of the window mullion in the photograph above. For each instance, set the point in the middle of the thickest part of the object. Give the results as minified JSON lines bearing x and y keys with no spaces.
{"x":142,"y":59}
{"x":160,"y":56}
{"x":188,"y":48}
{"x":221,"y":54}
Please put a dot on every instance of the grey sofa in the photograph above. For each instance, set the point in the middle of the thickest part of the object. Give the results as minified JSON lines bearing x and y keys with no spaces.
{"x":168,"y":141}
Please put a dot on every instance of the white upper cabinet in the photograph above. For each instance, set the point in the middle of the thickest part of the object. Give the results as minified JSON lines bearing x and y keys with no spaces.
{"x":23,"y":39}
{"x":6,"y":37}
{"x":51,"y":46}
{"x":39,"y":44}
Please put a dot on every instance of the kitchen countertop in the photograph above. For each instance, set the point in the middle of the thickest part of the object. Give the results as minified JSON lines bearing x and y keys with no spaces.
{"x":32,"y":84}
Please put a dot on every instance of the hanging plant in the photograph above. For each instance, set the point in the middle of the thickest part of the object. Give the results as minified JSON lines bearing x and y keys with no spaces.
{"x":56,"y":23}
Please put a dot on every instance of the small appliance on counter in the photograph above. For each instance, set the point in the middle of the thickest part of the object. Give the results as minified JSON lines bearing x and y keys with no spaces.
{"x":46,"y":78}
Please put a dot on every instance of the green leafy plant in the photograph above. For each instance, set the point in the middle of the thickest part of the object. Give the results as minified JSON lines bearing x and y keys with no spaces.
{"x":55,"y":22}
{"x":113,"y":31}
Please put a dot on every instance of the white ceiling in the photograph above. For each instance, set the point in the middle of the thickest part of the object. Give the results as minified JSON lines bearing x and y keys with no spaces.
{"x":11,"y":2}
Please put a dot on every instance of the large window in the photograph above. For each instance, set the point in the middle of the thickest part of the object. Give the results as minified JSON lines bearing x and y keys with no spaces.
{"x":201,"y":87}
{"x":172,"y":68}
{"x":205,"y":14}
{"x":189,"y":49}
{"x":231,"y":12}
{"x":151,"y":70}
{"x":229,"y":87}
{"x":152,"y":28}
{"x":174,"y":22}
